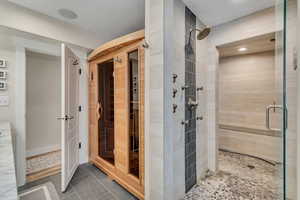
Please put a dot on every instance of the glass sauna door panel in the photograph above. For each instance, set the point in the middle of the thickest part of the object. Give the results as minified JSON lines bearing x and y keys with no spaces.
{"x":106,"y":111}
{"x":134,"y":112}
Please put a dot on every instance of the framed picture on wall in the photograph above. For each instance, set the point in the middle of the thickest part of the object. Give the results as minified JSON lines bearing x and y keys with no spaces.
{"x":3,"y":63}
{"x":3,"y":74}
{"x":3,"y":85}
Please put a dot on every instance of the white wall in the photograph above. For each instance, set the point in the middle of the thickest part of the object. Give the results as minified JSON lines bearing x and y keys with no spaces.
{"x":202,"y":71}
{"x":43,"y":103}
{"x":23,"y":19}
{"x":246,"y":87}
{"x":202,"y":109}
{"x":159,"y":147}
{"x":259,"y":23}
{"x":179,"y":100}
{"x":7,"y":113}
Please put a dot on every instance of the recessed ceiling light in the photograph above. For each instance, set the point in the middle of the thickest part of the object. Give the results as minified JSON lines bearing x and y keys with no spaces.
{"x":68,"y":14}
{"x":243,"y":49}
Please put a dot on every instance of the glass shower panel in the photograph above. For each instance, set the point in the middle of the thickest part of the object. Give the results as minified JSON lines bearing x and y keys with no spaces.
{"x":134,"y":103}
{"x":286,"y":63}
{"x":106,"y":111}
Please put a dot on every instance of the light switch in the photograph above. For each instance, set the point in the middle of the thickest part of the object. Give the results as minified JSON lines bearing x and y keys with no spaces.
{"x":4,"y":100}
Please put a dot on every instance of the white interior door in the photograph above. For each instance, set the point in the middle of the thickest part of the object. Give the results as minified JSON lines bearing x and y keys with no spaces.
{"x":70,"y":131}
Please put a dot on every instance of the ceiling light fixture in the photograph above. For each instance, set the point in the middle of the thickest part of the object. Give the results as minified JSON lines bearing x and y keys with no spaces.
{"x":243,"y":49}
{"x":68,"y":14}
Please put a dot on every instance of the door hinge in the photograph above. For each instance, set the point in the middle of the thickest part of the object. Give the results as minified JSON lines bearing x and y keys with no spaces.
{"x":92,"y":76}
{"x":80,"y":71}
{"x":79,"y":108}
{"x":79,"y":145}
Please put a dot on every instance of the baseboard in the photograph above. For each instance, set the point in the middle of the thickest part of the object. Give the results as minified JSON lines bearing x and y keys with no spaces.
{"x":43,"y":173}
{"x":42,"y":150}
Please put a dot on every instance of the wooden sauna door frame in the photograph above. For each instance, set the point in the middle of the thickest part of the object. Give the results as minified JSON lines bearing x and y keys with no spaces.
{"x":130,"y":182}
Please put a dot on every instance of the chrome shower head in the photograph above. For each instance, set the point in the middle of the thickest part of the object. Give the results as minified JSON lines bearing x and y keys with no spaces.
{"x":203,"y":33}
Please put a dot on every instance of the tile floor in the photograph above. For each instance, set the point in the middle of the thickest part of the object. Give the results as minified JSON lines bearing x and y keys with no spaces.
{"x":88,"y":183}
{"x":240,"y":178}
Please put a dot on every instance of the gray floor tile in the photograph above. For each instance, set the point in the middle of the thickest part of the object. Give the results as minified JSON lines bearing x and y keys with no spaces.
{"x":56,"y":180}
{"x":112,"y":186}
{"x":81,"y":172}
{"x":72,"y":196}
{"x":88,"y":188}
{"x":88,"y":183}
{"x":116,"y":189}
{"x":95,"y":171}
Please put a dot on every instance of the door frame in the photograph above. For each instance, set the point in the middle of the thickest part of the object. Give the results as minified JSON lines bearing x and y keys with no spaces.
{"x":23,"y":45}
{"x":54,"y":49}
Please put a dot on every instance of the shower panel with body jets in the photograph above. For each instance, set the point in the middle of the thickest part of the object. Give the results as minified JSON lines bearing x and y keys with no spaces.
{"x":192,"y":104}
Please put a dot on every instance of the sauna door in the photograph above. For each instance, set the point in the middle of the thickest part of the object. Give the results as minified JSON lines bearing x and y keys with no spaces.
{"x":117,"y":116}
{"x":70,"y":133}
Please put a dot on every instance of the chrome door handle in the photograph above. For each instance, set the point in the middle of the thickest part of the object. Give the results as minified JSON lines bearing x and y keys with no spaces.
{"x":66,"y":117}
{"x":268,"y":115}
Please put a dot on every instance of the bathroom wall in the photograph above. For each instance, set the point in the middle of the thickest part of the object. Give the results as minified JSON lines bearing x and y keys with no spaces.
{"x":179,"y":100}
{"x":202,"y":70}
{"x":8,"y":53}
{"x":246,"y":87}
{"x":164,"y":58}
{"x":43,"y":103}
{"x":159,"y":135}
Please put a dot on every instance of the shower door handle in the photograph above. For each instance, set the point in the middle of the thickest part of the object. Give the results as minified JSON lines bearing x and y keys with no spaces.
{"x":268,"y":116}
{"x":99,"y":110}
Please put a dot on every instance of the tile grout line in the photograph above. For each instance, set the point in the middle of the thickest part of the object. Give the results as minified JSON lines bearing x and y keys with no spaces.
{"x":100,"y":182}
{"x":76,"y":193}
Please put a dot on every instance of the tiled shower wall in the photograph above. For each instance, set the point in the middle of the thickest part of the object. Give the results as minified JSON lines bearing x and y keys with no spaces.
{"x":190,"y":93}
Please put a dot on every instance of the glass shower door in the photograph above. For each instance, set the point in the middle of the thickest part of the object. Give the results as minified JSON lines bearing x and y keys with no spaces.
{"x":285,"y":84}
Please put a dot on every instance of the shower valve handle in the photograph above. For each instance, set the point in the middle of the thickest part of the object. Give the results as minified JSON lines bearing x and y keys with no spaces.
{"x":174,"y":92}
{"x":185,"y":122}
{"x":185,"y":87}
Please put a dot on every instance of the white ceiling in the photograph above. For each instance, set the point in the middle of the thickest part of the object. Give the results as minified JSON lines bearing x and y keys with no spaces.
{"x":107,"y":18}
{"x":215,"y":12}
{"x":113,"y":18}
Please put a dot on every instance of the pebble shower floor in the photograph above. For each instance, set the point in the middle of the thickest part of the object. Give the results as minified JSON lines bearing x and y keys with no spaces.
{"x":240,"y":178}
